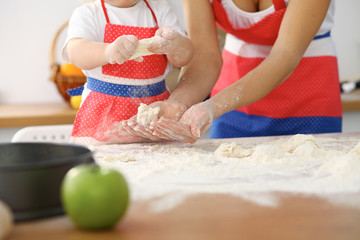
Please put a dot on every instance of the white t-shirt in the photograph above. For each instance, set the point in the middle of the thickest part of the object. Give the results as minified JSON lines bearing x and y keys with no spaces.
{"x":88,"y":22}
{"x":243,"y":19}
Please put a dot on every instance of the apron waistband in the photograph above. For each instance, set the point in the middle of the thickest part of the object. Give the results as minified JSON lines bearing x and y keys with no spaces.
{"x":131,"y":91}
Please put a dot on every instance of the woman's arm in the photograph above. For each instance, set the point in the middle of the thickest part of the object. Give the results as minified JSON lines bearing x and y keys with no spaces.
{"x":198,"y":77}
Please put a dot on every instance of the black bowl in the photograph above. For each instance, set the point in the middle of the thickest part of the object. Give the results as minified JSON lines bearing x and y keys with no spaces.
{"x":31,"y":175}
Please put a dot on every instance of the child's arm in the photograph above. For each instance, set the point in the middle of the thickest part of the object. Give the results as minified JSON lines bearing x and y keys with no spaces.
{"x":178,"y":48}
{"x":87,"y":54}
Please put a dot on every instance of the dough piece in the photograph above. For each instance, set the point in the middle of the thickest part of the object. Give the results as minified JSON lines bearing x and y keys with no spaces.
{"x":298,"y":140}
{"x":232,"y":150}
{"x":264,"y":153}
{"x":142,"y":48}
{"x":146,"y":114}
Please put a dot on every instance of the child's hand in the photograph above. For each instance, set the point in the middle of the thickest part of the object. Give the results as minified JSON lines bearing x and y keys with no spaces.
{"x":170,"y":39}
{"x":121,"y":49}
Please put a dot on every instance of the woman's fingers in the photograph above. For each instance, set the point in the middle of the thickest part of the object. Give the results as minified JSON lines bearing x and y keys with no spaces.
{"x":173,"y":130}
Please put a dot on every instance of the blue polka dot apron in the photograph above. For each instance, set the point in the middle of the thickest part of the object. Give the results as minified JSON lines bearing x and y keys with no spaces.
{"x":307,"y":102}
{"x":109,"y":103}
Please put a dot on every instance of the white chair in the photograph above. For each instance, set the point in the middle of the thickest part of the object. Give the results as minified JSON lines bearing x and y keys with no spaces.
{"x":49,"y":133}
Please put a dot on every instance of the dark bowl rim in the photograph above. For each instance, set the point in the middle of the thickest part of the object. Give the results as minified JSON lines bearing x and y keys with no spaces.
{"x":88,"y":154}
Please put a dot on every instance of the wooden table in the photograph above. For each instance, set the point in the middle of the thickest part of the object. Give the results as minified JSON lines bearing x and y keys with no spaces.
{"x":218,"y":216}
{"x":215,"y":217}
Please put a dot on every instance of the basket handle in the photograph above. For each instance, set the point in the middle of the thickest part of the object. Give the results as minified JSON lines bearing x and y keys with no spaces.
{"x":52,"y":55}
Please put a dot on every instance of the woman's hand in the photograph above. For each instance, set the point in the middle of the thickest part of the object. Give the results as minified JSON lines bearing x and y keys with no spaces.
{"x":122,"y":49}
{"x":169,"y":110}
{"x":194,"y":122}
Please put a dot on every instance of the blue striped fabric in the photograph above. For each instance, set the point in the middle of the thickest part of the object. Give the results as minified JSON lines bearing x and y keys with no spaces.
{"x":238,"y":124}
{"x":325,"y":35}
{"x":131,"y":91}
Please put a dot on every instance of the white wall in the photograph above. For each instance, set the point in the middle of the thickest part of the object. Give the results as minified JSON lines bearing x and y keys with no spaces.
{"x":28,"y":27}
{"x":346,"y":35}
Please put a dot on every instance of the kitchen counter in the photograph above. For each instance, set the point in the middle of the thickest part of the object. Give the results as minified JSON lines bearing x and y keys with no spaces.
{"x":221,"y":216}
{"x":21,"y":115}
{"x":351,"y":101}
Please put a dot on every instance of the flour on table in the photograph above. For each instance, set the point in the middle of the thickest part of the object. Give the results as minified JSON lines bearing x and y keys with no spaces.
{"x":356,"y":149}
{"x":252,"y":169}
{"x":146,"y":114}
{"x":119,"y":157}
{"x":142,"y":48}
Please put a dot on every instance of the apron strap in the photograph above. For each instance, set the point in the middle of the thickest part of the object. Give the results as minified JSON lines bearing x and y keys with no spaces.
{"x":105,"y":12}
{"x":152,"y":12}
{"x":107,"y":17}
{"x":279,"y":4}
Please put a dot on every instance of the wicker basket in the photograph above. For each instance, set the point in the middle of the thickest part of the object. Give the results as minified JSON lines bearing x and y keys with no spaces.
{"x":63,"y":82}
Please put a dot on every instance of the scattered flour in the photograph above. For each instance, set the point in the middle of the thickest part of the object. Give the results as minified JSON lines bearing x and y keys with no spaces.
{"x":253,"y":169}
{"x":146,"y":114}
{"x":120,"y":157}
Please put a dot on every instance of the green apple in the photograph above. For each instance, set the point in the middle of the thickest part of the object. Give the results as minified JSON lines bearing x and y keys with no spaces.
{"x":94,"y":197}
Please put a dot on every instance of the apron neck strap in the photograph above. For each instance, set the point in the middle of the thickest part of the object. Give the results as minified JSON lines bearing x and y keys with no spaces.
{"x":152,"y":12}
{"x":107,"y":17}
{"x":279,"y":4}
{"x":105,"y":12}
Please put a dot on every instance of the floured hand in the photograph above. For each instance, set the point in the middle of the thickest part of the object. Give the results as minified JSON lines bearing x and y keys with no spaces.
{"x":172,"y":130}
{"x":168,"y":110}
{"x":116,"y":133}
{"x":143,"y":47}
{"x":168,"y":40}
{"x":133,"y":127}
{"x":121,"y":49}
{"x":194,"y":122}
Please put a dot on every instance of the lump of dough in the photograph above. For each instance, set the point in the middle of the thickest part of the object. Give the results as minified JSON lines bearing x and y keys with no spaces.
{"x":232,"y":150}
{"x":142,"y":48}
{"x":146,"y":114}
{"x":268,"y":154}
{"x":297,"y":140}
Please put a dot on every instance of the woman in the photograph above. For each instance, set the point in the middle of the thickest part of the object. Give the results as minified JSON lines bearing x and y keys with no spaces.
{"x":277,"y":74}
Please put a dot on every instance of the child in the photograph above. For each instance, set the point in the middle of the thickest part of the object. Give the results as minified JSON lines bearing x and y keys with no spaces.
{"x":102,"y":39}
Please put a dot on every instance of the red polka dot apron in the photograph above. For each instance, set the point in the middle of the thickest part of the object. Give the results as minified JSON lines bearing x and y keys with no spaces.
{"x":307,"y":102}
{"x":109,"y":103}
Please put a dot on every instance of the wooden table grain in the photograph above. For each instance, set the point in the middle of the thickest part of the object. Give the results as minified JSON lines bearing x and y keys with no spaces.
{"x":214,"y":216}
